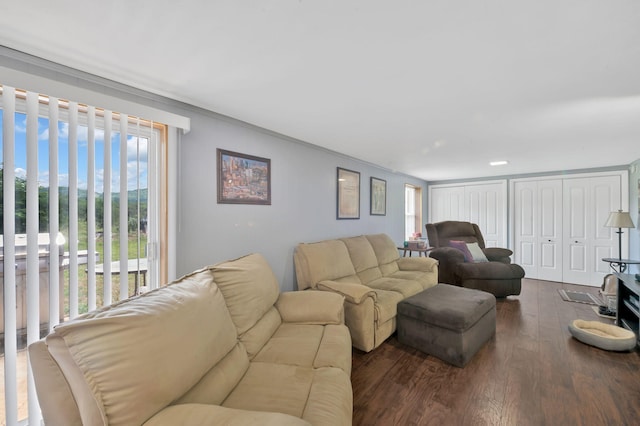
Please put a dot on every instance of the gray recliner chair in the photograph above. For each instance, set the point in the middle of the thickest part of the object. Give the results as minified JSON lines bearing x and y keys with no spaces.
{"x":497,"y":275}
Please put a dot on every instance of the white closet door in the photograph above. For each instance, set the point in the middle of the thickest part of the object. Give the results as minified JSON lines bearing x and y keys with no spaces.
{"x":577,"y":217}
{"x":483,"y":203}
{"x":607,"y":198}
{"x":446,"y":203}
{"x":525,"y":248}
{"x":538,"y":228}
{"x":486,"y":206}
{"x":587,"y":203}
{"x":549,"y":230}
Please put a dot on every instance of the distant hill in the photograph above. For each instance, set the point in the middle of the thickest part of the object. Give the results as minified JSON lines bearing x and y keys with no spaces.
{"x":63,"y":191}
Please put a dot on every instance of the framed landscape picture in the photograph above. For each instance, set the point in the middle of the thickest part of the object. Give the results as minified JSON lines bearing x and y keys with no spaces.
{"x":348,"y":203}
{"x":243,"y":179}
{"x":378,"y":197}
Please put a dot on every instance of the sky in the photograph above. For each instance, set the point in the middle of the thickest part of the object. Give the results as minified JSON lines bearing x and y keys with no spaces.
{"x":136,"y":170}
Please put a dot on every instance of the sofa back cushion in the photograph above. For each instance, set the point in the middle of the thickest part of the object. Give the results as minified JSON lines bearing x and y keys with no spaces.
{"x":56,"y":400}
{"x":363,"y":258}
{"x":126,"y":362}
{"x":386,"y":252}
{"x":441,"y":233}
{"x":217,"y":383}
{"x":250,"y":291}
{"x":324,"y":260}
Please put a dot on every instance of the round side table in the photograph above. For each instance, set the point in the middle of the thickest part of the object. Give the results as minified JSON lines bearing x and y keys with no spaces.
{"x":620,"y":265}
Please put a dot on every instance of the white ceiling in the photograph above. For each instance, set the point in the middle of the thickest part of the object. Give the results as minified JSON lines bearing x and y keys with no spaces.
{"x":433,"y":89}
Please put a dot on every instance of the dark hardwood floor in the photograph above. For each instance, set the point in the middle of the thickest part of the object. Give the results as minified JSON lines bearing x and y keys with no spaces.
{"x":532,"y":372}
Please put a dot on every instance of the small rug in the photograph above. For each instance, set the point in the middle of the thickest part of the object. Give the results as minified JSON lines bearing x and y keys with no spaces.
{"x":579,"y":297}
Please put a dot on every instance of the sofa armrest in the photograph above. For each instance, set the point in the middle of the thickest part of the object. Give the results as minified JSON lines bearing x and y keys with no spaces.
{"x":497,"y":254}
{"x":422,"y":264}
{"x":311,"y":307}
{"x":447,"y":255}
{"x":352,"y":292}
{"x":54,"y":394}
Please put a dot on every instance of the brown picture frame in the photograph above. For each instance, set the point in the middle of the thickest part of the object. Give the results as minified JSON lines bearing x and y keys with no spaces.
{"x":348,"y":194}
{"x":378,"y":197}
{"x":243,"y":178}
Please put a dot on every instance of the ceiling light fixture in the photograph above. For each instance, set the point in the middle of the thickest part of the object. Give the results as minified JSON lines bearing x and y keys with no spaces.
{"x":498,"y":163}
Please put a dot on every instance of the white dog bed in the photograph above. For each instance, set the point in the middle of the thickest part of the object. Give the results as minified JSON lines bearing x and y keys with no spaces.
{"x":604,"y":336}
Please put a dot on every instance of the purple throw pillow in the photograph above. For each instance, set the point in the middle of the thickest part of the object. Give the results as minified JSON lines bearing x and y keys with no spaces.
{"x":462,"y":246}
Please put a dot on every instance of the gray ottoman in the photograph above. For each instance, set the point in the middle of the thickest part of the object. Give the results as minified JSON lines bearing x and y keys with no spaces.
{"x":448,"y":322}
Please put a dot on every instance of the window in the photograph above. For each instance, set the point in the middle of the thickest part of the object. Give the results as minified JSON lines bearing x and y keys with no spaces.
{"x":412,"y":211}
{"x":80,"y":204}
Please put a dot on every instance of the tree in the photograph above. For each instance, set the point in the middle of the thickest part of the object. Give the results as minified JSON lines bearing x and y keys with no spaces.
{"x":21,"y":203}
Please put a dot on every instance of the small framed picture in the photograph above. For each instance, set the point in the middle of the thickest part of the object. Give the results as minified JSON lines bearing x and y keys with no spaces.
{"x":243,"y":179}
{"x":348,"y":203}
{"x":378,"y":197}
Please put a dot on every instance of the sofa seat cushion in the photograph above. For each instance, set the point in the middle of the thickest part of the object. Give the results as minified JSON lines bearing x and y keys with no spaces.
{"x":386,"y":306}
{"x":319,"y":396}
{"x":406,"y":288}
{"x":292,"y":344}
{"x":218,"y":382}
{"x":201,"y":414}
{"x":308,"y":346}
{"x":335,"y":349}
{"x":489,"y":271}
{"x":369,"y":275}
{"x":330,"y":400}
{"x":425,"y":279}
{"x":112,"y":355}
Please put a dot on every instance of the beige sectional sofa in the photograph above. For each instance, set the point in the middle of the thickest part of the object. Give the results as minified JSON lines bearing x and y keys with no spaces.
{"x":220,"y":346}
{"x":369,"y":272}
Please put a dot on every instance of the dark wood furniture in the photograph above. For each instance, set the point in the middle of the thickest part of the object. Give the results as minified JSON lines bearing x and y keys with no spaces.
{"x":620,"y":264}
{"x":628,"y":312}
{"x":420,"y":251}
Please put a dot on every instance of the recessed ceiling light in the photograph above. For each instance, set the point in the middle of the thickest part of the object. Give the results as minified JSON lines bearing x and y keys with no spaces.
{"x":498,"y":163}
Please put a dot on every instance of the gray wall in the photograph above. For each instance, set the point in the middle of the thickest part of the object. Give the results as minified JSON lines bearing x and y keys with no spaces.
{"x":303,"y":198}
{"x":303,"y":179}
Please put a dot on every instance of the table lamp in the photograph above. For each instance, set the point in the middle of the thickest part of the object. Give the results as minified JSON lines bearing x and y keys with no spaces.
{"x":619,"y":220}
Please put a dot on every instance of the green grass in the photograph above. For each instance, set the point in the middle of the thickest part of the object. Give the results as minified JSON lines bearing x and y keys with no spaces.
{"x":135,"y":250}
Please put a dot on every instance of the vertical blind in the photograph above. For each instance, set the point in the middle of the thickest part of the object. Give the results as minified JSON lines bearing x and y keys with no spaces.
{"x":66,"y":169}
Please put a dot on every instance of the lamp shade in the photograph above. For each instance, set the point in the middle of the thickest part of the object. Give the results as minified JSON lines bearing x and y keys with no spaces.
{"x":619,"y":219}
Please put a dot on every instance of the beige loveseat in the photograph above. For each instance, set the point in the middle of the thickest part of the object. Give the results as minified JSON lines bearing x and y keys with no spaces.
{"x":220,"y":346}
{"x":368,"y":271}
